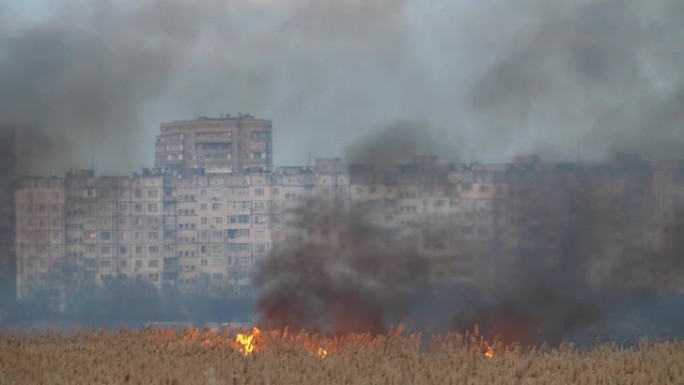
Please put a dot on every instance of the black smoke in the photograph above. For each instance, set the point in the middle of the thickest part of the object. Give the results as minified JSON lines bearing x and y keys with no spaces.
{"x":576,"y":247}
{"x":338,"y":273}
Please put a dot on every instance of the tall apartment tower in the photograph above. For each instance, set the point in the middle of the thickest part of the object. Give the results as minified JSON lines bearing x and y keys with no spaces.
{"x":225,"y":145}
{"x":7,"y":180}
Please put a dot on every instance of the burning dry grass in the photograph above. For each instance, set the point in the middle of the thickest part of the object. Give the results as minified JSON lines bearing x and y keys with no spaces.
{"x":203,"y":356}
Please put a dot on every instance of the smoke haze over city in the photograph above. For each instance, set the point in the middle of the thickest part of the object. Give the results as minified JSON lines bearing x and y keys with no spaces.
{"x":86,"y":84}
{"x":487,"y":79}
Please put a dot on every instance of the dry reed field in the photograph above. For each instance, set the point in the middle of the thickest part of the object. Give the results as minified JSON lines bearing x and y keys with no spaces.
{"x":202,"y":356}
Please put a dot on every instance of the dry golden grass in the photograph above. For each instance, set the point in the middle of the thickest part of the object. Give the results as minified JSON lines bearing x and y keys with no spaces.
{"x":192,"y":356}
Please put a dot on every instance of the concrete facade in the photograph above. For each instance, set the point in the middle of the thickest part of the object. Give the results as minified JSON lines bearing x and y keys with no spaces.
{"x":203,"y":233}
{"x":223,"y":145}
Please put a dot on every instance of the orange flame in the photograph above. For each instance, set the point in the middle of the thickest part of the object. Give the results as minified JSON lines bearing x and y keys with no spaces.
{"x":247,"y":342}
{"x":489,"y":352}
{"x":322,"y":352}
{"x":257,"y":341}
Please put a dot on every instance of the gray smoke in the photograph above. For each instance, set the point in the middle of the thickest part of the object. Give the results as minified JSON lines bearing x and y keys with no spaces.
{"x":76,"y":82}
{"x":574,"y":246}
{"x":398,"y":142}
{"x":88,"y":81}
{"x":588,"y":80}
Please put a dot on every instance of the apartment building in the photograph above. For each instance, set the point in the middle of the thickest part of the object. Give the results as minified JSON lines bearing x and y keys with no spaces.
{"x":218,"y":226}
{"x":82,"y":229}
{"x":39,"y":243}
{"x":224,"y":145}
{"x":203,"y":232}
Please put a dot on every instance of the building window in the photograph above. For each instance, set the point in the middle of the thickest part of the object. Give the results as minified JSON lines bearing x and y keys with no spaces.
{"x":122,"y":263}
{"x":138,"y":263}
{"x":203,"y":262}
{"x":259,"y":248}
{"x":260,"y":135}
{"x":153,"y":249}
{"x":153,"y":277}
{"x":153,"y":263}
{"x":105,"y":235}
{"x":105,"y":263}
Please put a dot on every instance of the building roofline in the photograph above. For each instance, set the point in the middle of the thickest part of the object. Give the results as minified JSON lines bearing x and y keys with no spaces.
{"x":222,"y":117}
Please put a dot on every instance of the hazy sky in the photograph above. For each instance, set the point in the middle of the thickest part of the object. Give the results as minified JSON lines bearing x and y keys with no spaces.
{"x":88,"y":81}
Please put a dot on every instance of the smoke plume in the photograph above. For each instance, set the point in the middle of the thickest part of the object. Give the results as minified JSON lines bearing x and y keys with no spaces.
{"x":76,"y":83}
{"x":88,"y":81}
{"x":599,"y":76}
{"x":341,"y":274}
{"x":574,"y":246}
